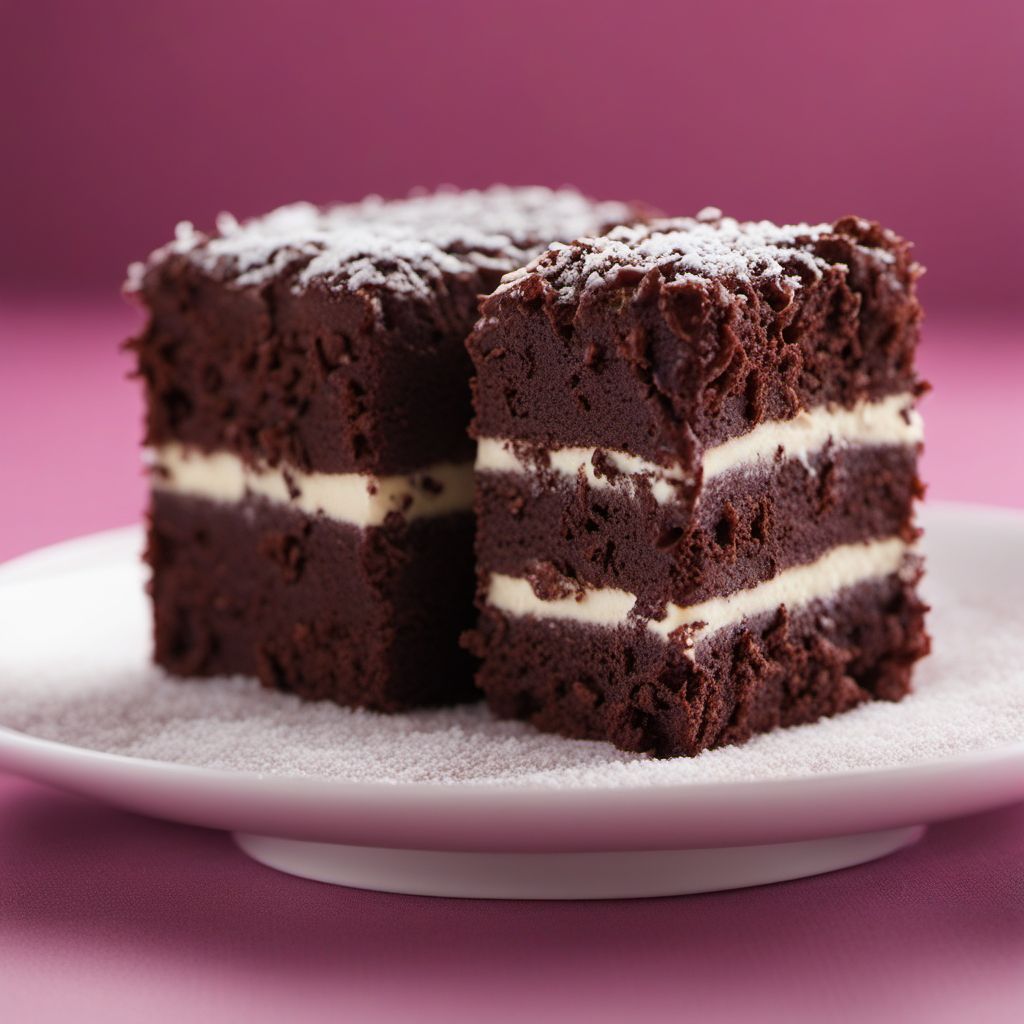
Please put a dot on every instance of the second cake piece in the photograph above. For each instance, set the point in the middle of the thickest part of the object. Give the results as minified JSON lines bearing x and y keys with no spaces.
{"x":697,"y":451}
{"x":307,"y":399}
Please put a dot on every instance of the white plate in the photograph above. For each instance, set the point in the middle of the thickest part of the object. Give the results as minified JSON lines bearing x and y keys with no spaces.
{"x":541,"y":839}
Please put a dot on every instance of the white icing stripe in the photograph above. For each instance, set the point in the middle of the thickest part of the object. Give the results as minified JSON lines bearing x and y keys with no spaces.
{"x":604,"y":606}
{"x":355,"y":498}
{"x":889,"y":421}
{"x":497,"y":456}
{"x":843,"y":566}
{"x":569,"y":461}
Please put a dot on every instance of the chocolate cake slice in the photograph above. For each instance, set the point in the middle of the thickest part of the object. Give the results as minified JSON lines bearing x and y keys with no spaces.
{"x":307,"y":405}
{"x":697,"y":464}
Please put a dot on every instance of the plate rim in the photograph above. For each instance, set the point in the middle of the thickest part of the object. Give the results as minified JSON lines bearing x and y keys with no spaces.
{"x":39,"y":758}
{"x":971,"y":759}
{"x":32,"y":563}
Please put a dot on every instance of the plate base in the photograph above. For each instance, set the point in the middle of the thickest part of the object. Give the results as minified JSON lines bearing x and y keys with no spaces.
{"x":570,"y":876}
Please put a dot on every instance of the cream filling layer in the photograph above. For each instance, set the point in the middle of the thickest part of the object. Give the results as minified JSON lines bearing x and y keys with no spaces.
{"x":358,"y":499}
{"x":843,"y":566}
{"x":887,"y":421}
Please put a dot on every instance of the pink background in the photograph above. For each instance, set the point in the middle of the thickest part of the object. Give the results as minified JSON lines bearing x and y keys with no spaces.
{"x":121,"y":117}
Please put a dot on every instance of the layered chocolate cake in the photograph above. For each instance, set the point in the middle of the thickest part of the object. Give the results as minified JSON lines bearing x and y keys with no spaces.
{"x":307,"y":404}
{"x":697,"y":464}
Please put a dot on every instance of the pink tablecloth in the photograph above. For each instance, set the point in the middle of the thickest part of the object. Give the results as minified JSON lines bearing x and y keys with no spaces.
{"x":105,"y":916}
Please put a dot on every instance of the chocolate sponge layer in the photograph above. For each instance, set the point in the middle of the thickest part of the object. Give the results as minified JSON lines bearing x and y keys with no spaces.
{"x":368,"y":618}
{"x":321,"y":381}
{"x":746,"y":527}
{"x":631,"y":688}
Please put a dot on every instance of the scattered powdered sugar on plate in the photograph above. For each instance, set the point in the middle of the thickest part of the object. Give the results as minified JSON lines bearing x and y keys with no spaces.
{"x":74,"y":668}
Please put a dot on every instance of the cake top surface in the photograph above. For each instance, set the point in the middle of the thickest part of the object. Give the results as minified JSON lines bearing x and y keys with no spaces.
{"x":707,"y":248}
{"x":405,"y":245}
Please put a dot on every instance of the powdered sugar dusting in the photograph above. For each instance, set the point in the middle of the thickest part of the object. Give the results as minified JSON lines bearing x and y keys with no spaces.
{"x":74,"y":668}
{"x":702,"y":248}
{"x":405,"y":245}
